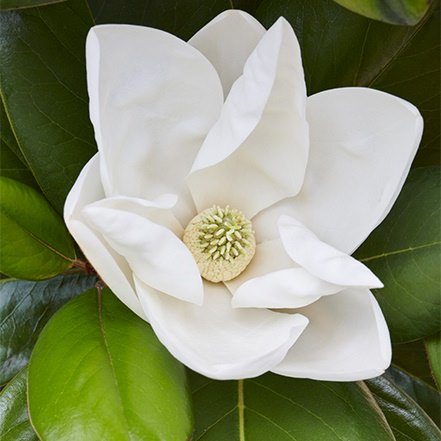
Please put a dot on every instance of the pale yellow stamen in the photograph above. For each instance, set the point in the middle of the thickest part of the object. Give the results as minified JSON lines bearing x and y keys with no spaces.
{"x":221,"y":241}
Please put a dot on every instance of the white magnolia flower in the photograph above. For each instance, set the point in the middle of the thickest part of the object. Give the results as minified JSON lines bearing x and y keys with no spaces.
{"x":223,"y":121}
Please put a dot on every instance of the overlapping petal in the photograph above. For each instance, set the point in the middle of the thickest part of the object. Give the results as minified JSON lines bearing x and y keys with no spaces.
{"x":155,"y":254}
{"x":217,"y":340}
{"x":273,"y":280}
{"x":153,"y":99}
{"x":261,"y":138}
{"x":289,"y":288}
{"x":322,"y":260}
{"x":346,"y":340}
{"x":112,"y":267}
{"x":363,"y":142}
{"x":227,"y":41}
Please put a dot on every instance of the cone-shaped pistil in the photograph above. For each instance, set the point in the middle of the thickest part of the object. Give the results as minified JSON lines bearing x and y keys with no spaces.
{"x":221,"y":241}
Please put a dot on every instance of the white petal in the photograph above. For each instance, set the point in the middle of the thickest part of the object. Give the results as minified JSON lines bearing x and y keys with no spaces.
{"x":362,"y":145}
{"x":158,"y":211}
{"x":154,"y":253}
{"x":322,"y":260}
{"x":153,"y":99}
{"x":227,"y":41}
{"x":111,"y":267}
{"x":256,"y":153}
{"x":270,"y":256}
{"x":289,"y":288}
{"x":273,"y":280}
{"x":347,"y":340}
{"x":216,"y":340}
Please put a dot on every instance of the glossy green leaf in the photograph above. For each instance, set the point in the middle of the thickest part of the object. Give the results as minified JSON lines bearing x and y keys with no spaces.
{"x":421,"y":392}
{"x":20,"y":4}
{"x":11,"y":166}
{"x":25,"y":308}
{"x":408,"y":421}
{"x":340,"y":48}
{"x":391,"y":11}
{"x":34,"y":242}
{"x":7,"y":135}
{"x":182,"y":18}
{"x":12,"y":162}
{"x":273,"y":407}
{"x":412,"y":357}
{"x":98,"y":372}
{"x":433,"y":345}
{"x":14,"y":420}
{"x":42,"y":66}
{"x":404,"y":252}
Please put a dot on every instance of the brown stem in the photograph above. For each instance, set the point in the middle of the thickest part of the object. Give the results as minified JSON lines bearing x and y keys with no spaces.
{"x":85,"y":266}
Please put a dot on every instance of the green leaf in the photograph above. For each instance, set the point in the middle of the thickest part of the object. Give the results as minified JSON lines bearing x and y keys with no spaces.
{"x":11,"y":167}
{"x":7,"y":135}
{"x":14,"y":420}
{"x":421,"y":392}
{"x":42,"y":66}
{"x":340,"y":49}
{"x":12,"y":162}
{"x":20,"y":4}
{"x":98,"y":372}
{"x":397,"y":12}
{"x":408,"y":421}
{"x":25,"y":308}
{"x":412,"y":358}
{"x":404,"y":252}
{"x":181,"y":18}
{"x":433,"y":345}
{"x":34,"y":242}
{"x":273,"y":407}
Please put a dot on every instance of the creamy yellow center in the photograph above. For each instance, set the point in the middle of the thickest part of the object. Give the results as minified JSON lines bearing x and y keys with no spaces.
{"x":221,"y":241}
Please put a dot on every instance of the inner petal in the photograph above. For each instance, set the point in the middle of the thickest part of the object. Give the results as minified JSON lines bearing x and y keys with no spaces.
{"x":256,"y":153}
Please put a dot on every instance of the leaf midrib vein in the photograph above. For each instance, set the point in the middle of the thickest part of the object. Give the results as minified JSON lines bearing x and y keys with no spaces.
{"x":403,"y":47}
{"x":298,"y":405}
{"x":37,"y":239}
{"x":112,"y":367}
{"x":400,"y":251}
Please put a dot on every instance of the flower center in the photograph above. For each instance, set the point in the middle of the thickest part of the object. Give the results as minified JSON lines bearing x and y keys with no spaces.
{"x":221,"y":241}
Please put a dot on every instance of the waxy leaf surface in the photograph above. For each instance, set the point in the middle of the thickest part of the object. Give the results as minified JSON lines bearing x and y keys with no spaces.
{"x":408,"y":420}
{"x":273,"y":407}
{"x":14,"y":419}
{"x":34,"y":242}
{"x":20,"y":4}
{"x":25,"y":308}
{"x":433,"y":345}
{"x":42,"y":65}
{"x":391,"y":11}
{"x":98,"y":372}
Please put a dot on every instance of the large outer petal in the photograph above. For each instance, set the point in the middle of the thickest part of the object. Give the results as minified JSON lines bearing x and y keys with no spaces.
{"x":153,"y":99}
{"x":347,"y":339}
{"x":112,"y":267}
{"x":256,"y":153}
{"x":216,"y":340}
{"x":155,"y":254}
{"x":227,"y":41}
{"x":362,"y":145}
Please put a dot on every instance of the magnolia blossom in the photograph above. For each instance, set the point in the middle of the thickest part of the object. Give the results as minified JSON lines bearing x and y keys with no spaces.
{"x":223,"y":203}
